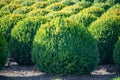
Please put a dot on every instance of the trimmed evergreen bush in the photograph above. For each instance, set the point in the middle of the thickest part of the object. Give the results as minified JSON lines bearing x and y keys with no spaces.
{"x":105,"y":6}
{"x":28,"y":2}
{"x":21,"y":39}
{"x":112,"y":2}
{"x":117,"y":54}
{"x":3,"y":51}
{"x":8,"y":9}
{"x":41,"y":4}
{"x":74,"y":9}
{"x":8,"y":22}
{"x":68,"y":2}
{"x":2,"y":4}
{"x":99,"y":1}
{"x":23,"y":10}
{"x":85,"y":19}
{"x":63,"y":47}
{"x":55,"y":14}
{"x":93,"y":10}
{"x":55,"y":7}
{"x":106,"y":30}
{"x":84,"y":4}
{"x":38,"y":12}
{"x":87,"y":0}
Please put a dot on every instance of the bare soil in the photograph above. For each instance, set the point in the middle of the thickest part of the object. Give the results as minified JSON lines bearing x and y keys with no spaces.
{"x":16,"y":72}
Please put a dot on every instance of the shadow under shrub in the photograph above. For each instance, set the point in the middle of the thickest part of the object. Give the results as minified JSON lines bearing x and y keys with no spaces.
{"x":63,"y":47}
{"x":22,"y":36}
{"x":3,"y":51}
{"x":117,"y":54}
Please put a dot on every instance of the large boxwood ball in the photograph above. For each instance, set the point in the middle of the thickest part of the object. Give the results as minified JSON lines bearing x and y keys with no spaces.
{"x":63,"y":47}
{"x":8,"y":22}
{"x":117,"y":54}
{"x":106,"y":30}
{"x":21,"y":39}
{"x":3,"y":51}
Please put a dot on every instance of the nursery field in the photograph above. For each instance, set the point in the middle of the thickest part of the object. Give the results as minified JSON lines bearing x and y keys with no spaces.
{"x":59,"y":39}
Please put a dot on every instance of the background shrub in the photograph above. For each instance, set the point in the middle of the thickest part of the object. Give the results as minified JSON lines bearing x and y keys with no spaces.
{"x":28,"y":2}
{"x":41,"y":4}
{"x":105,"y":6}
{"x":84,"y":4}
{"x":68,"y":2}
{"x":63,"y":47}
{"x":93,"y":10}
{"x":55,"y":7}
{"x":8,"y":9}
{"x":8,"y":22}
{"x":117,"y":54}
{"x":3,"y":51}
{"x":106,"y":30}
{"x":85,"y":19}
{"x":38,"y":12}
{"x":21,"y":39}
{"x":55,"y":14}
{"x":23,"y":10}
{"x":99,"y":1}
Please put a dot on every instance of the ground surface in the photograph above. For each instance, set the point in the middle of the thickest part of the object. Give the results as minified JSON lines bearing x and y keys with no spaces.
{"x":16,"y":72}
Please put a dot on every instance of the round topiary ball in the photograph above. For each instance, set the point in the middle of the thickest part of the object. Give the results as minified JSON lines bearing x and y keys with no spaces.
{"x":63,"y":47}
{"x":3,"y":51}
{"x":8,"y":22}
{"x":22,"y":36}
{"x":106,"y":30}
{"x":117,"y":54}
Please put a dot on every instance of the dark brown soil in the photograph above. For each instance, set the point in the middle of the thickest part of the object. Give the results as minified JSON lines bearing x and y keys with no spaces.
{"x":16,"y":72}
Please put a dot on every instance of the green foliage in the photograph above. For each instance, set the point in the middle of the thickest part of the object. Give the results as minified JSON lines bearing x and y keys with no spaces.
{"x":40,"y":4}
{"x":23,"y":10}
{"x":93,"y":10}
{"x":2,"y":4}
{"x":7,"y":23}
{"x":56,"y":6}
{"x":84,"y":4}
{"x":63,"y":47}
{"x":85,"y":19}
{"x":87,"y":0}
{"x":99,"y":1}
{"x":117,"y":78}
{"x":68,"y":2}
{"x":117,"y":54}
{"x":55,"y":14}
{"x":102,"y":5}
{"x":21,"y":39}
{"x":3,"y":51}
{"x":74,"y":9}
{"x":106,"y":30}
{"x":28,"y":2}
{"x":112,"y":2}
{"x":8,"y":9}
{"x":38,"y":12}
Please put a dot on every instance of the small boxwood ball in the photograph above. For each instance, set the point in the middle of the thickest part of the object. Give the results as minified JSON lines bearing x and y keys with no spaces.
{"x":63,"y":47}
{"x":8,"y":22}
{"x":3,"y":51}
{"x":117,"y":54}
{"x":106,"y":30}
{"x":22,"y":36}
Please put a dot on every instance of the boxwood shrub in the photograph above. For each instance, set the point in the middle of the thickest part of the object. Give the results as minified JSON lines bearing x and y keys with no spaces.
{"x":8,"y":9}
{"x":106,"y":30}
{"x":8,"y":22}
{"x":68,"y":2}
{"x":85,"y":19}
{"x":40,"y":5}
{"x":100,"y":1}
{"x":28,"y":2}
{"x":55,"y":7}
{"x":74,"y":9}
{"x":23,"y":10}
{"x":93,"y":10}
{"x":117,"y":54}
{"x":21,"y":39}
{"x":55,"y":14}
{"x":105,"y":6}
{"x":63,"y":47}
{"x":84,"y":4}
{"x":3,"y":51}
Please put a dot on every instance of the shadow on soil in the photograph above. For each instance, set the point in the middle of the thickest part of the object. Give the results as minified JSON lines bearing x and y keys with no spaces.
{"x":49,"y":77}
